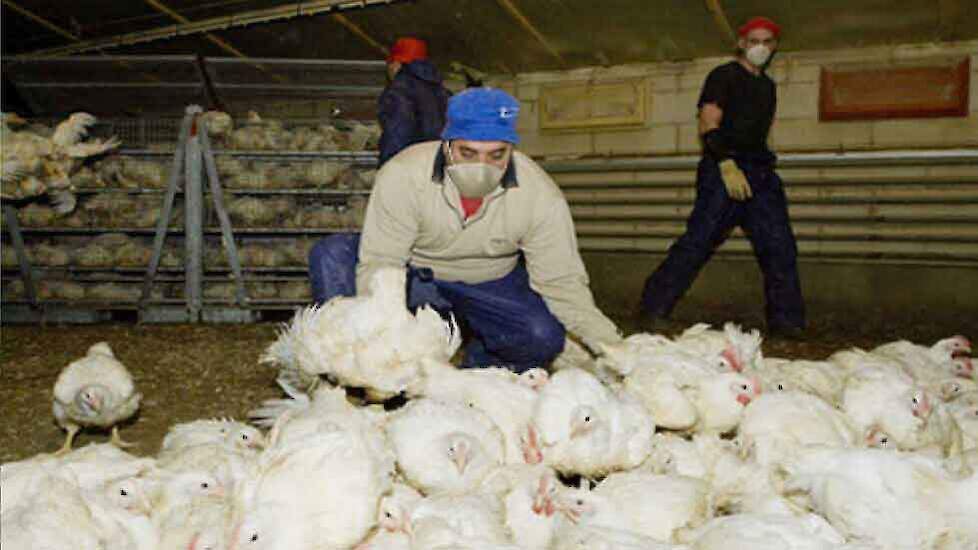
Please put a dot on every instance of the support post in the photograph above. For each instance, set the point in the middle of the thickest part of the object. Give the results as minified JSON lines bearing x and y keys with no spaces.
{"x":26,"y":273}
{"x":217,"y":197}
{"x":179,"y":155}
{"x":194,"y":221}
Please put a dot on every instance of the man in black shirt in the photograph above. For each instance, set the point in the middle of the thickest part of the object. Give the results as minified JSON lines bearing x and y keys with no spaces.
{"x":736,"y":185}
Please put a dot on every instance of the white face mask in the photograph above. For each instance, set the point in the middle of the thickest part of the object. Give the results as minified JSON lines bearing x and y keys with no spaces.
{"x":758,"y":55}
{"x":474,"y":180}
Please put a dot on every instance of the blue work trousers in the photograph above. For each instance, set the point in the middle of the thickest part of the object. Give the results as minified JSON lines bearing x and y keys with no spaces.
{"x":511,"y":324}
{"x":764,"y":218}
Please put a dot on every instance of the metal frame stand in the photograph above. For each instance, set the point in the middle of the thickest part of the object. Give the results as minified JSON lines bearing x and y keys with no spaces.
{"x":194,"y":159}
{"x":17,"y":238}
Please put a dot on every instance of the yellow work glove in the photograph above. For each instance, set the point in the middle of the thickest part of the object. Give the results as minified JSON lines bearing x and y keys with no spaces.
{"x":735,"y":181}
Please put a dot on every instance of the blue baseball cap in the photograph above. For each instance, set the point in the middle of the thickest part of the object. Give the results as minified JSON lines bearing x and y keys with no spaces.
{"x":482,"y":114}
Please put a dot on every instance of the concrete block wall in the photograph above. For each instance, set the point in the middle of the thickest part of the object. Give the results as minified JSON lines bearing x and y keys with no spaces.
{"x":673,"y":88}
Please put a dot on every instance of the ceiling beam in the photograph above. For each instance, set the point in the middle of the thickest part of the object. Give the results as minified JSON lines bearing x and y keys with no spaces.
{"x":220,"y":43}
{"x":362,"y":34}
{"x":516,"y":14}
{"x":41,"y":21}
{"x":59,"y":30}
{"x":721,"y":20}
{"x":254,"y":17}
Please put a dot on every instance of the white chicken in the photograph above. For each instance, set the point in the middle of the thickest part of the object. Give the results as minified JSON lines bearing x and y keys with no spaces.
{"x":95,"y":390}
{"x":654,"y":506}
{"x":882,"y":398}
{"x":229,"y":467}
{"x":318,"y":490}
{"x":444,"y":520}
{"x":776,"y":425}
{"x":507,"y":398}
{"x":767,"y":532}
{"x":685,"y":391}
{"x":224,"y":432}
{"x":892,"y":499}
{"x":741,"y":349}
{"x":370,"y":341}
{"x":34,"y":165}
{"x":444,"y":447}
{"x":697,"y":457}
{"x":584,"y":427}
{"x":527,"y":493}
{"x":941,"y":352}
{"x":56,"y":517}
{"x":823,"y":379}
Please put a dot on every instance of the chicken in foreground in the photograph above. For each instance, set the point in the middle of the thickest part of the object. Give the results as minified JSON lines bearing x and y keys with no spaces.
{"x":94,"y":391}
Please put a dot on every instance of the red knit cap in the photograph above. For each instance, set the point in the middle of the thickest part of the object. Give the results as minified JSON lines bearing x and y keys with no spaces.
{"x":406,"y":50}
{"x":760,"y":23}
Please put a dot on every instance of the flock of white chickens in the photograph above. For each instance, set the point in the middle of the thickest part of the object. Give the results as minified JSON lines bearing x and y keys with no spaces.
{"x":695,"y":442}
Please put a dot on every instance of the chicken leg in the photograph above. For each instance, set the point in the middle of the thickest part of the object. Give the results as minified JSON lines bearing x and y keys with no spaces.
{"x":66,"y":448}
{"x":118,"y":441}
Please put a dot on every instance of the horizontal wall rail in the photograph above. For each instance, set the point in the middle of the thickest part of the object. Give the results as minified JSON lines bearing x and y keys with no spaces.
{"x":909,"y":206}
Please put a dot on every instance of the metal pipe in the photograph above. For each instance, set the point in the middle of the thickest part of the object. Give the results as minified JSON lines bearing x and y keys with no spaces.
{"x":254,"y":17}
{"x":522,"y":20}
{"x":810,"y":194}
{"x":859,"y":158}
{"x":829,"y":177}
{"x":40,"y":20}
{"x":360,"y":33}
{"x":219,"y":42}
{"x":720,"y":18}
{"x":802,"y":212}
{"x":963,"y":232}
{"x":337,"y":90}
{"x":866,"y":249}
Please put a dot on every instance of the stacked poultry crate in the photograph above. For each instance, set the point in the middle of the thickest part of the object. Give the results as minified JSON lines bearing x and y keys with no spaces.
{"x":285,"y":186}
{"x":93,"y":258}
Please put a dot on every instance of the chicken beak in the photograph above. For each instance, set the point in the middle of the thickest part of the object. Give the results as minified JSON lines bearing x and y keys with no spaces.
{"x":460,"y":459}
{"x":967,"y":368}
{"x":743,"y":399}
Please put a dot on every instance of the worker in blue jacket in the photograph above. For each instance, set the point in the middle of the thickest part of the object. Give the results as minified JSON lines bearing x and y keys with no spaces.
{"x":736,"y":185}
{"x":412,"y":107}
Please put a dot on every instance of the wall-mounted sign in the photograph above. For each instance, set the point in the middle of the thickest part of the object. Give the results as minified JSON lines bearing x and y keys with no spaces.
{"x":929,"y":88}
{"x":590,"y":105}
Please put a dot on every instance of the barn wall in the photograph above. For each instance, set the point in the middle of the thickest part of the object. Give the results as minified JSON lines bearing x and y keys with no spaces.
{"x":673,"y":88}
{"x":873,"y":238}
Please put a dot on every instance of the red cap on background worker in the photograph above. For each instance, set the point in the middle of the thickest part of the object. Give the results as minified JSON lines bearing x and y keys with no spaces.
{"x":411,"y":108}
{"x":404,"y":51}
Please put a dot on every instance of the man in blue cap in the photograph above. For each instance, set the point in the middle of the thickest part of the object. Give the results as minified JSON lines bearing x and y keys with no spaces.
{"x":484,"y":233}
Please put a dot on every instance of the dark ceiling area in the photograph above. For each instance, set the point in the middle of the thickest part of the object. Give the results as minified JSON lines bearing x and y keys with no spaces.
{"x":497,"y":36}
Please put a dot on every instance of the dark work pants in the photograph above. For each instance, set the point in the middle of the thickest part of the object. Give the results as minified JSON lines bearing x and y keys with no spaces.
{"x":764,"y":218}
{"x":512,"y":325}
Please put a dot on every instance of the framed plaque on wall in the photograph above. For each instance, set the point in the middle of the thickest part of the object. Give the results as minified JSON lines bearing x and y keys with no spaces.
{"x":592,"y":105}
{"x":928,"y":88}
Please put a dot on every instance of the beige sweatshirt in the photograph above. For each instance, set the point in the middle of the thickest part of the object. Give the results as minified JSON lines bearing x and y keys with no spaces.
{"x":415,"y":217}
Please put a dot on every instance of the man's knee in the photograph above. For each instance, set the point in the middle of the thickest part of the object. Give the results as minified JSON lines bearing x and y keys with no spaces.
{"x":339,"y":248}
{"x":545,"y":338}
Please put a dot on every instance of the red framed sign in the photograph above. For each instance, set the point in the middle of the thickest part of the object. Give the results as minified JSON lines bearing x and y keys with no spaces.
{"x":937,"y":89}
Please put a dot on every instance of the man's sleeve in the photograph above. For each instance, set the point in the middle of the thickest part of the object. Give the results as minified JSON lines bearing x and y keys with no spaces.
{"x":716,"y":89}
{"x":397,"y":120}
{"x":390,"y":226}
{"x":557,"y":273}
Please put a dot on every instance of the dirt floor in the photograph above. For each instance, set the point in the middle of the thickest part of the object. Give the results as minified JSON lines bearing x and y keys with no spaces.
{"x":186,"y":372}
